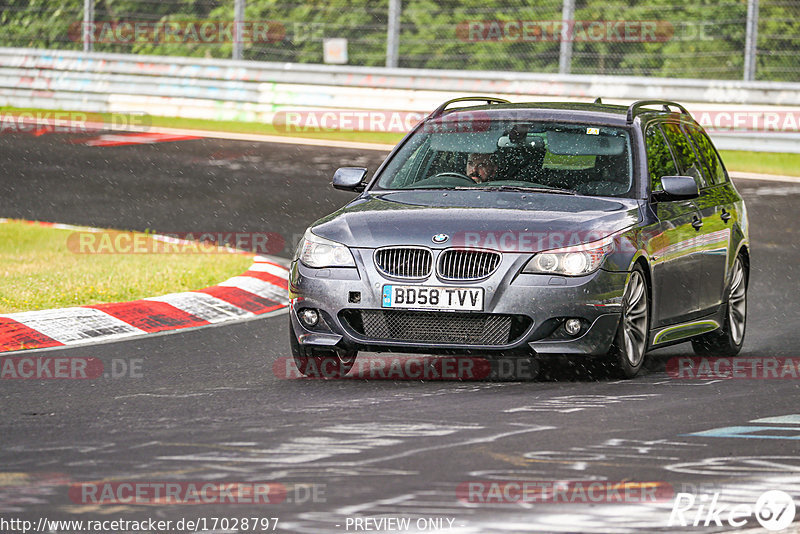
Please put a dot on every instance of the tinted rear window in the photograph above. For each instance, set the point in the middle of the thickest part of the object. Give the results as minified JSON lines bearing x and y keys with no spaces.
{"x":688,"y":163}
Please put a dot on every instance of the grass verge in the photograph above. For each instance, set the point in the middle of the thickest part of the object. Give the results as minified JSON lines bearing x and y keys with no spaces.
{"x":762,"y":162}
{"x":39,"y":271}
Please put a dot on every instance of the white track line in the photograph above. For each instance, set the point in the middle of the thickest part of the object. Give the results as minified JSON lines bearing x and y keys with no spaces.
{"x":98,"y":126}
{"x":277,"y":139}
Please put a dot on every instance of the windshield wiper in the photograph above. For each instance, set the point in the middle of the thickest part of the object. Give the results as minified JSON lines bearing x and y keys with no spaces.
{"x":523,"y":189}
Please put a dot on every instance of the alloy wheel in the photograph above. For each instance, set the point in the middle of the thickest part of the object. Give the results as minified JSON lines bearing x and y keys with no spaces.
{"x":737,"y":303}
{"x":634,"y":327}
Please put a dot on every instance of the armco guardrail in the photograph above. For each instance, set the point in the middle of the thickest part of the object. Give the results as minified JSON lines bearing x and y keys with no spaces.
{"x":255,"y":91}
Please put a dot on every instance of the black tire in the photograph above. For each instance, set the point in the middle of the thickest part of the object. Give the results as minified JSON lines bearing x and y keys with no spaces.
{"x":728,"y":340}
{"x":320,"y":363}
{"x":631,"y":341}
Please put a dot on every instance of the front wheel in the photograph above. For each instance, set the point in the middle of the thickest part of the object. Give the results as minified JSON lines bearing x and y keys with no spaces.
{"x":728,"y":340}
{"x":321,"y":363}
{"x":630,"y":343}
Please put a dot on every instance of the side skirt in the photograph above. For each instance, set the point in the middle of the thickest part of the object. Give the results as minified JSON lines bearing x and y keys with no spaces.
{"x":677,"y":333}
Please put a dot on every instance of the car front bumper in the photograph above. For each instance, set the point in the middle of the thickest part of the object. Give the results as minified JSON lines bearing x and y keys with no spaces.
{"x":539,"y":304}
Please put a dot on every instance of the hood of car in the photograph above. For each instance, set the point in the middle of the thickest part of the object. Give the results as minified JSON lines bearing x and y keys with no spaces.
{"x":499,"y":220}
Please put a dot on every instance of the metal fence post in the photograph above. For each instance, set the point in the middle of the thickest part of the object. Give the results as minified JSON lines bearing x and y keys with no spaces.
{"x":88,"y":22}
{"x":238,"y":18}
{"x":393,"y":34}
{"x":750,"y":48}
{"x":565,"y":54}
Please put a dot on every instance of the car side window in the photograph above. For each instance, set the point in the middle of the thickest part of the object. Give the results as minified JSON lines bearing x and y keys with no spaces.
{"x":714,"y":170}
{"x":659,"y":158}
{"x":688,"y":163}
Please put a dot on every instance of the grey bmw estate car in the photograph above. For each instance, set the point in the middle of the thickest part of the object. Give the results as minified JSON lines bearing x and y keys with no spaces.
{"x":529,"y":230}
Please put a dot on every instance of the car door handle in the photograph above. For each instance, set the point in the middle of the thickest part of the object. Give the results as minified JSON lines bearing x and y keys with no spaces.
{"x":697,"y":223}
{"x":725,"y":216}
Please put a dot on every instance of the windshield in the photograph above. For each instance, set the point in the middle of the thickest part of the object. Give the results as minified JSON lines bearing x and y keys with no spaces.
{"x":572,"y":158}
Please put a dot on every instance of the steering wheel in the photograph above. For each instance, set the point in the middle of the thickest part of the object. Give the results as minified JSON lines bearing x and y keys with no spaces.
{"x":454,"y":174}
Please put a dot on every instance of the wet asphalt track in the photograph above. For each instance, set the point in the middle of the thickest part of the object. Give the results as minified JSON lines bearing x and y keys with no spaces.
{"x":209,"y":406}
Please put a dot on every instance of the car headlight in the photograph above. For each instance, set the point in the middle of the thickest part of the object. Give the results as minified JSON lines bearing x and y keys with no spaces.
{"x":571,"y":261}
{"x":315,"y":251}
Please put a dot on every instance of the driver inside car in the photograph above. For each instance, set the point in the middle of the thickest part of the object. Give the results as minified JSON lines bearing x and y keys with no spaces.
{"x":481,"y":167}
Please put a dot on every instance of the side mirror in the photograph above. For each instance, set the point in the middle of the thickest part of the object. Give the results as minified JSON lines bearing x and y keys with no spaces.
{"x":677,"y":188}
{"x":349,"y":178}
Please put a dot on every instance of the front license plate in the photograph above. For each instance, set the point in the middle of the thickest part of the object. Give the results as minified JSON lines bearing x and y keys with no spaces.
{"x":433,"y":298}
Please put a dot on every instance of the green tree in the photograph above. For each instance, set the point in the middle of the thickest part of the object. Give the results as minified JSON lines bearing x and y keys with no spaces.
{"x":42,"y":23}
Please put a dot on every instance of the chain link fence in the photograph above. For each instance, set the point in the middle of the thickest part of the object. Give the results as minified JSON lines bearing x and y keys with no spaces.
{"x":667,"y":38}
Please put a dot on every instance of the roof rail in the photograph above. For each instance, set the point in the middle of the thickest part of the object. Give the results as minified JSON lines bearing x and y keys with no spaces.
{"x":488,"y":99}
{"x":665,"y":103}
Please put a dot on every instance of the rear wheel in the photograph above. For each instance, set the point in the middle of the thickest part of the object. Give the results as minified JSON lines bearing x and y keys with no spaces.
{"x":728,"y":340}
{"x":630,"y":343}
{"x":321,"y":363}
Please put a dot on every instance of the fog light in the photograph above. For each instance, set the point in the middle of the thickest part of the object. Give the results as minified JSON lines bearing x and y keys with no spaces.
{"x":572,"y":326}
{"x":309,"y":316}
